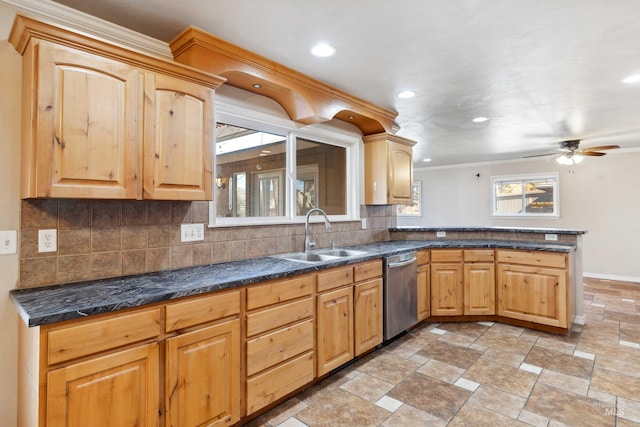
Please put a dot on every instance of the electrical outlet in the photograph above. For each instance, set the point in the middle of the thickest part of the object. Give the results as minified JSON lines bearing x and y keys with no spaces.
{"x":8,"y":242}
{"x":441,"y":234}
{"x":191,"y":232}
{"x":550,"y":237}
{"x":364,"y":223}
{"x":48,"y":240}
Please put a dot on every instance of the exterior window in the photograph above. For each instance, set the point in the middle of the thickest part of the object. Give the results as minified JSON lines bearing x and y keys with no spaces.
{"x":528,"y":196}
{"x":277,"y":175}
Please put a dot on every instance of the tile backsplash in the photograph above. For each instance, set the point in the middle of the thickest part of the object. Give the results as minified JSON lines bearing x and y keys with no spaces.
{"x":109,"y":238}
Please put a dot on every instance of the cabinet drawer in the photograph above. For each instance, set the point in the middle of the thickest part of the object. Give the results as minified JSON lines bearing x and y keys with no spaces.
{"x":276,"y":317}
{"x":279,"y":381}
{"x":275,"y":347}
{"x":537,"y":258}
{"x":478,"y":255}
{"x":334,"y":278}
{"x":446,"y":255}
{"x":422,"y":257}
{"x":280,"y":291}
{"x":88,"y":337}
{"x":201,"y":310}
{"x":367,"y":270}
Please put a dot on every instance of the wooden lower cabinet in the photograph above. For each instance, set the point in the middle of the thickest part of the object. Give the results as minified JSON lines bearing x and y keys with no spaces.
{"x":424,"y":294}
{"x":479,"y":288}
{"x":202,"y":376}
{"x":446,"y":289}
{"x":119,"y":389}
{"x":334,"y":320}
{"x":367,"y":300}
{"x":535,"y":294}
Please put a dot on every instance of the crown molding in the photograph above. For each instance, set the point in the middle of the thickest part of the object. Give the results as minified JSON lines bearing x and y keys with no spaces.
{"x":80,"y":21}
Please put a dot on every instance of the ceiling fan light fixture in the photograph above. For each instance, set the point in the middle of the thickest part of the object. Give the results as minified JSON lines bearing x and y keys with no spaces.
{"x":577,"y":158}
{"x":565,"y":159}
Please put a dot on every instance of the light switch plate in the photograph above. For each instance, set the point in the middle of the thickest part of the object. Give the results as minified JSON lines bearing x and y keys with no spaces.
{"x":364,"y":223}
{"x":441,"y":234}
{"x":8,"y":242}
{"x":191,"y":232}
{"x":550,"y":237}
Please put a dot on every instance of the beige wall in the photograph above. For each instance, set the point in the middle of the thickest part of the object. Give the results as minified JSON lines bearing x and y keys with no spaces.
{"x":599,"y":195}
{"x":10,"y":81}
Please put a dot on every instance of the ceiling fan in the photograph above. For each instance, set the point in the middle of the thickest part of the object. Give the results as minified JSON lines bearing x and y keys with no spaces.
{"x":571,"y":153}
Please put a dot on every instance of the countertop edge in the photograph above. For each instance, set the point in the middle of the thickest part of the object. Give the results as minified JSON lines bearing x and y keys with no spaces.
{"x":57,"y":303}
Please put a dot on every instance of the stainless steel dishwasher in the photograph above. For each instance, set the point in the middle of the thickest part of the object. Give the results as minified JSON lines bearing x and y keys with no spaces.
{"x":400,"y":293}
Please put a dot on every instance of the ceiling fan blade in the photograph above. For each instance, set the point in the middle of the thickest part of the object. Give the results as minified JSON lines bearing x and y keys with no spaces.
{"x":600,"y":148}
{"x":592,"y":153}
{"x":540,"y":155}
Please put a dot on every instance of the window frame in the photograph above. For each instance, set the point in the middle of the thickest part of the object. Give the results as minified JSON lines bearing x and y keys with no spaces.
{"x":523,"y":179}
{"x":322,"y":133}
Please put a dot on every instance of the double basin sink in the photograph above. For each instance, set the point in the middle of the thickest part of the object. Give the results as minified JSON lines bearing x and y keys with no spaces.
{"x":321,"y":255}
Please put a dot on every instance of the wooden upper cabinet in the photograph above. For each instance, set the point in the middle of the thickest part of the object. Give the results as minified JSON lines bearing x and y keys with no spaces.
{"x":178,"y":139}
{"x":388,"y":169}
{"x":84,"y":103}
{"x":84,"y":110}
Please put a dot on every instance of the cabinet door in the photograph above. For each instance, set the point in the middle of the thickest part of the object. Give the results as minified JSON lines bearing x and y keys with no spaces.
{"x":203,"y":377}
{"x":536,"y":294}
{"x":400,"y":173}
{"x":119,"y":389}
{"x":479,"y":288}
{"x":424,"y":300}
{"x":334,"y":336}
{"x":368,"y":315}
{"x":178,"y":139}
{"x":87,"y":120}
{"x":446,"y":289}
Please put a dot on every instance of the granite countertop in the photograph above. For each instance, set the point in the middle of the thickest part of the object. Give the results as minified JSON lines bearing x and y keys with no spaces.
{"x":485,"y":229}
{"x":40,"y":306}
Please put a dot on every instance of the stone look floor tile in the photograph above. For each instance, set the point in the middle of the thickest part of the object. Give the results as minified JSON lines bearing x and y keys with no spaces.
{"x":616,"y":383}
{"x":367,"y":387}
{"x":564,"y":382}
{"x":340,"y":407}
{"x":498,"y":401}
{"x":556,"y":345}
{"x":561,"y":362}
{"x":568,"y":408}
{"x":283,"y":412}
{"x":407,"y":415}
{"x":457,"y":339}
{"x":629,"y":409}
{"x":621,"y":366}
{"x":506,"y":378}
{"x":442,"y":371}
{"x":474,"y":415}
{"x":465,"y":328}
{"x":503,"y":357}
{"x":533,"y":419}
{"x":506,"y":342}
{"x":430,"y":395}
{"x":389,"y":368}
{"x":452,"y":354}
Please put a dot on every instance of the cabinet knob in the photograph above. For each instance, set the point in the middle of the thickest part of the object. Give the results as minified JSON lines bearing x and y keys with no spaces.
{"x":60,"y":143}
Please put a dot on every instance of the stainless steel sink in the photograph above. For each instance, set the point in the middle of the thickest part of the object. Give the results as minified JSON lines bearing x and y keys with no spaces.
{"x":321,"y":255}
{"x":308,"y":257}
{"x":342,"y":253}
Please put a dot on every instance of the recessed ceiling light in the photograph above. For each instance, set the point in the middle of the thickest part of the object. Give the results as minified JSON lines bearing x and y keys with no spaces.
{"x":406,"y":94}
{"x":426,"y":160}
{"x":634,"y":78}
{"x":257,"y":85}
{"x":323,"y":50}
{"x":480,"y":119}
{"x":352,"y":117}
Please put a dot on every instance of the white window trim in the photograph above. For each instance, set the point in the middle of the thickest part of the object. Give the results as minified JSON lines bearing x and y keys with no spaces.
{"x":527,"y":177}
{"x":241,"y":116}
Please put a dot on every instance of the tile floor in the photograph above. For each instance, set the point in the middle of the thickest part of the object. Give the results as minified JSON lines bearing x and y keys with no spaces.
{"x":484,"y":374}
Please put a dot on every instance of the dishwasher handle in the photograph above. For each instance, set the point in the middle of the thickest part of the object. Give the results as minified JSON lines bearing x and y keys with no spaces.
{"x":401,"y":264}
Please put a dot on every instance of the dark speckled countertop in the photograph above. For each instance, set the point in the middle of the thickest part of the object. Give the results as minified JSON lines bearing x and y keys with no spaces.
{"x":40,"y":306}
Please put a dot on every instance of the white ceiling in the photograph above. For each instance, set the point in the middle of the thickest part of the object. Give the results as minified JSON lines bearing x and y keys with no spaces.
{"x":541,"y":70}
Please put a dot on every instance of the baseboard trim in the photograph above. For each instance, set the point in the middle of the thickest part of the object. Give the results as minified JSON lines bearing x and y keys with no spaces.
{"x":578,"y":320}
{"x":611,"y":277}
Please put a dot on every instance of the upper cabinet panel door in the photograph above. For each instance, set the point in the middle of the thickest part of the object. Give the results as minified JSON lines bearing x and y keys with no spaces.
{"x":87,"y":111}
{"x":178,"y":139}
{"x":400,"y":173}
